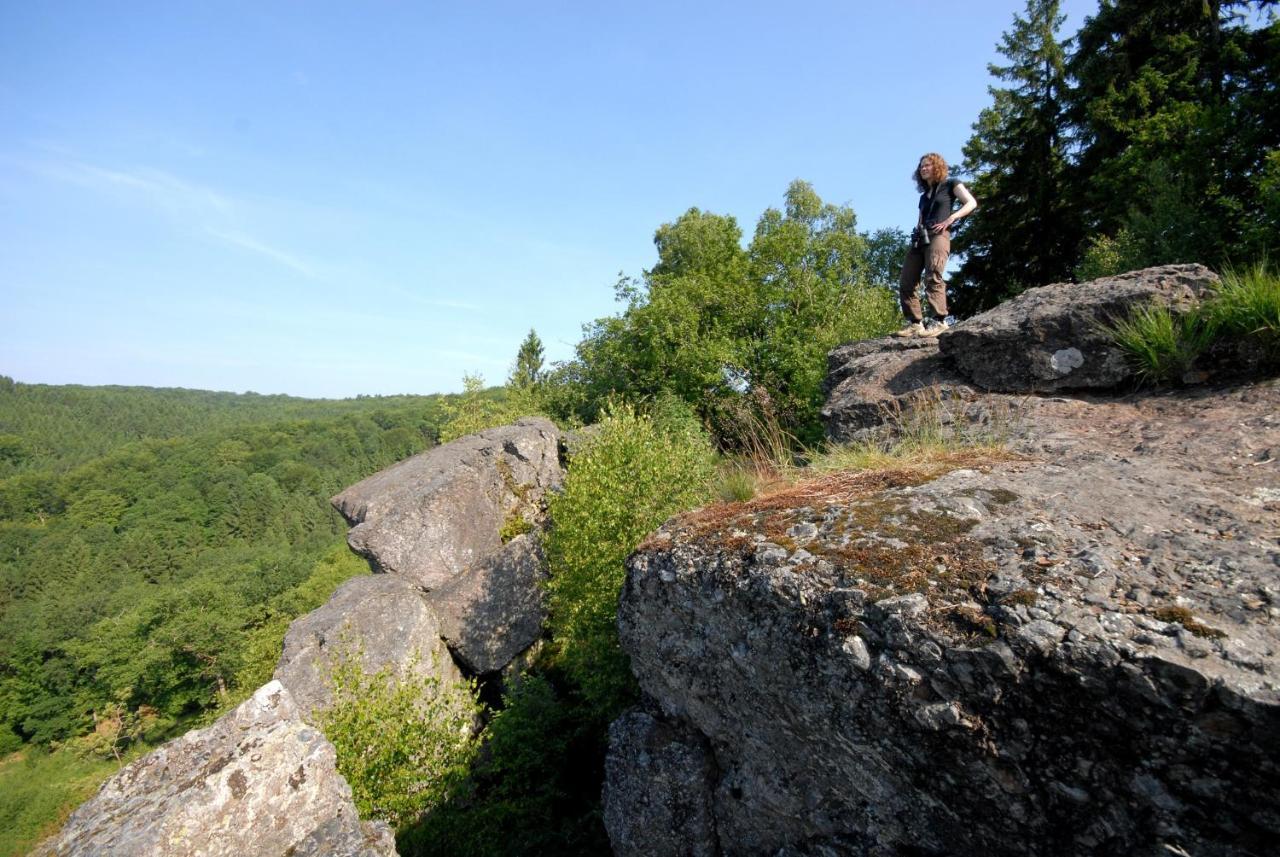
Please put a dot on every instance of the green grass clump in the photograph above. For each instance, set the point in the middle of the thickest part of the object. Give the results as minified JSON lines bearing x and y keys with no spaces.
{"x":735,"y":485}
{"x":1247,"y":304}
{"x":1164,"y":346}
{"x":1161,"y":345}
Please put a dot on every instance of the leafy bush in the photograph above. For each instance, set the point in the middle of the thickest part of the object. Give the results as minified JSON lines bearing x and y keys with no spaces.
{"x":478,"y":409}
{"x":403,"y":744}
{"x":1106,"y":256}
{"x":629,"y":479}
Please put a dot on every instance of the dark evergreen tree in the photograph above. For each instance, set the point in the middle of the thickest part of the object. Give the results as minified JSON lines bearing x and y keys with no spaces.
{"x":528,"y":369}
{"x":1178,"y":121}
{"x":1026,"y":231}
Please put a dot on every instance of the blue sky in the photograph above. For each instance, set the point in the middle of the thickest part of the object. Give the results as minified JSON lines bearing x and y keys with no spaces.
{"x":327,"y":199}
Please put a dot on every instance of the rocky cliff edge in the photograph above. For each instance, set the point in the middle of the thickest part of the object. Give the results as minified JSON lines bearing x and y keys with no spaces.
{"x":1068,"y":649}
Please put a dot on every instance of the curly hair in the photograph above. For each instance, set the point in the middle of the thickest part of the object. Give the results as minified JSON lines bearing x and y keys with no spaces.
{"x":939,"y":169}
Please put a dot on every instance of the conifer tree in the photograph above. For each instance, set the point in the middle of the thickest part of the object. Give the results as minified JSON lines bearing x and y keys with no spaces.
{"x":1177,"y":118}
{"x":1025,"y":233}
{"x":528,"y":369}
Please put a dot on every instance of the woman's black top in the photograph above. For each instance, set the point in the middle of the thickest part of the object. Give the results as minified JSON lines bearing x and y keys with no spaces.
{"x":936,"y":202}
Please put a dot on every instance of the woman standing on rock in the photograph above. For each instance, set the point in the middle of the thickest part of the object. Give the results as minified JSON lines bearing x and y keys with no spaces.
{"x":931,"y":245}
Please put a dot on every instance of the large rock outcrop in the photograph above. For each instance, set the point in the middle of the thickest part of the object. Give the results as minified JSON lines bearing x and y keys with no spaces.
{"x":382,"y":619}
{"x":436,"y":515}
{"x":1046,"y":339}
{"x":259,"y":781}
{"x":1070,"y":650}
{"x":453,"y":534}
{"x":1051,"y":337}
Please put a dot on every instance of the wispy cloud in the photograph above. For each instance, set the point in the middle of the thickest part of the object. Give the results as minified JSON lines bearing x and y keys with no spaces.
{"x":160,"y":188}
{"x":245,"y":242}
{"x":201,"y":209}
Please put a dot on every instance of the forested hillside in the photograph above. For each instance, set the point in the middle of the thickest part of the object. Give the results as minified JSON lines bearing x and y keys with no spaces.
{"x":43,"y":426}
{"x":155,"y":544}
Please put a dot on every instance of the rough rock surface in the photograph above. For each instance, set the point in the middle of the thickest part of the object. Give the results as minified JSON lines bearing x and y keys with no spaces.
{"x":384,"y":618}
{"x":494,"y":611}
{"x":879,"y":380}
{"x":1075,"y":651}
{"x":437,"y":514}
{"x":658,"y":789}
{"x":1048,"y":338}
{"x":259,"y":781}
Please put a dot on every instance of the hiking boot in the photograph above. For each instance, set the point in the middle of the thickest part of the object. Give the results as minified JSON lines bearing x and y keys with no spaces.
{"x":934,"y":326}
{"x":915,"y":328}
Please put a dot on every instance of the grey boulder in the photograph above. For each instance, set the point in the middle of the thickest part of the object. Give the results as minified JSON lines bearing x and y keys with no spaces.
{"x":494,"y":611}
{"x":657,"y":789}
{"x":878,"y":381}
{"x":381,"y":618}
{"x":1051,"y":338}
{"x":258,"y":781}
{"x":439,"y":513}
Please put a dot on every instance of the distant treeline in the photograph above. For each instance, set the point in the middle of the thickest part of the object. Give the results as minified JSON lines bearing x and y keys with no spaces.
{"x":45,"y":427}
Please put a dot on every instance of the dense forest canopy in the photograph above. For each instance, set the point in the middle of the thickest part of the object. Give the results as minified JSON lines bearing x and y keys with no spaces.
{"x":145,"y":535}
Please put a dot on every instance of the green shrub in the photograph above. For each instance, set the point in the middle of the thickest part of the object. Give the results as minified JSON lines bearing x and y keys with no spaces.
{"x":404,"y":745}
{"x":478,"y":409}
{"x":629,"y":479}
